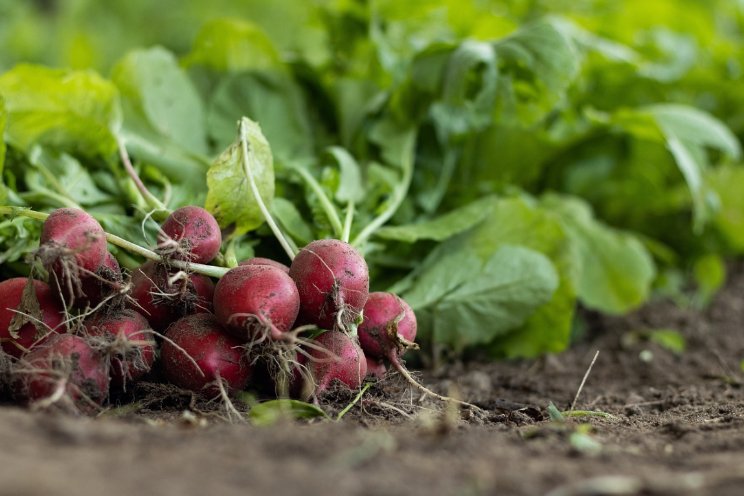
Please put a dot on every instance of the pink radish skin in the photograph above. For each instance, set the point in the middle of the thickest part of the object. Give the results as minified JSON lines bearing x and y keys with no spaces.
{"x":106,"y":281}
{"x":64,"y":371}
{"x":163,"y":302}
{"x":196,"y":231}
{"x":265,"y":261}
{"x":375,"y":368}
{"x":251,"y":299}
{"x":52,"y":315}
{"x":389,"y":325}
{"x":217,"y":354}
{"x":331,"y":277}
{"x":128,"y":342}
{"x":343,"y":361}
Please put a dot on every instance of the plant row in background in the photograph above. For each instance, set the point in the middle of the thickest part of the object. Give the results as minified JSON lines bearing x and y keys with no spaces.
{"x":494,"y":170}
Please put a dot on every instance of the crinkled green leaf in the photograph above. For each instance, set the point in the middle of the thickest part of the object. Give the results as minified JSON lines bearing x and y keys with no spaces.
{"x":614,"y":272}
{"x":230,"y":198}
{"x":271,"y":412}
{"x":63,"y":172}
{"x":159,"y":99}
{"x":76,"y":111}
{"x":443,"y":227}
{"x":232,"y":45}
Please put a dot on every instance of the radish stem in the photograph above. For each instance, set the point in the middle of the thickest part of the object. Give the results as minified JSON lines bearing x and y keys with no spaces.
{"x":150,"y":199}
{"x":325,"y":202}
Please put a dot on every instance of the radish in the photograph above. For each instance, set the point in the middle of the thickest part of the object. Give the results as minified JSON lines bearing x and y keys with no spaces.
{"x":256,"y":301}
{"x":190,"y":233}
{"x":197,"y":353}
{"x":265,"y":261}
{"x":375,"y":368}
{"x":389,"y":326}
{"x":337,"y":358}
{"x":63,"y":372}
{"x":103,"y":283}
{"x":125,"y":337}
{"x":72,"y":246}
{"x":164,"y":297}
{"x":29,"y":311}
{"x":333,"y":281}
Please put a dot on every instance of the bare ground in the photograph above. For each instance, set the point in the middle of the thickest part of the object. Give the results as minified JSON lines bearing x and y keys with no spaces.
{"x":676,"y":428}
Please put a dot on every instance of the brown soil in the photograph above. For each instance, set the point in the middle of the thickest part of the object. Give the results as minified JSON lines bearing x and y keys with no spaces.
{"x":676,"y":428}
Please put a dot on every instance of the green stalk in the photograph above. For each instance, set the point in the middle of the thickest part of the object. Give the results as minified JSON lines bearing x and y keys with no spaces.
{"x":347,"y":222}
{"x":257,"y":195}
{"x":207,"y":270}
{"x":399,"y":194}
{"x":325,"y":202}
{"x":149,"y":198}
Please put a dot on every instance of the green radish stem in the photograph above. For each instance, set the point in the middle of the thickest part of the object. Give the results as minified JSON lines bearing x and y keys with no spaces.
{"x":149,"y":198}
{"x":398,"y":195}
{"x":325,"y":202}
{"x":347,"y":222}
{"x":257,"y":195}
{"x":207,"y":270}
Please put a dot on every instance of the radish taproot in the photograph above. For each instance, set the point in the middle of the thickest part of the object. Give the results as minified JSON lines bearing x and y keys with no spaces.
{"x":333,"y":280}
{"x":126,"y":338}
{"x":190,"y":233}
{"x":197,"y":352}
{"x":29,"y":311}
{"x":256,"y":301}
{"x":63,"y":372}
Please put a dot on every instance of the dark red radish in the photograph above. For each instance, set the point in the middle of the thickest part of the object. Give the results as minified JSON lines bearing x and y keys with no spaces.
{"x":336,"y":357}
{"x":265,"y":261}
{"x":190,"y":233}
{"x":105,"y":282}
{"x":389,"y":326}
{"x":333,"y":280}
{"x":126,"y":338}
{"x":198,"y":351}
{"x":72,"y":245}
{"x":256,"y":301}
{"x":164,"y":297}
{"x":63,"y":372}
{"x":25,"y":321}
{"x":375,"y":368}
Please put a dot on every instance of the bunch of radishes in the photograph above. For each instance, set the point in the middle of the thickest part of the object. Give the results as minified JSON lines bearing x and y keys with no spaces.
{"x":90,"y":328}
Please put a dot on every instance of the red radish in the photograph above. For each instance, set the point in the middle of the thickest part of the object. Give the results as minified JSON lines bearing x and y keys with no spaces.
{"x":339,"y":359}
{"x":106,"y":280}
{"x":164,"y":297}
{"x":255,"y":301}
{"x":198,"y":352}
{"x":125,"y":337}
{"x":38,"y":316}
{"x":190,"y":233}
{"x":63,"y":372}
{"x":72,"y":245}
{"x":333,"y":281}
{"x":389,"y":326}
{"x":265,"y":261}
{"x":375,"y":368}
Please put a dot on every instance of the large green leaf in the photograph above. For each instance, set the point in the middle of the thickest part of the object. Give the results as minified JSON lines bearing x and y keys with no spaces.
{"x":159,"y":99}
{"x":230,"y":197}
{"x":614,"y":272}
{"x":728,"y":183}
{"x":76,"y":111}
{"x":444,"y":226}
{"x":3,"y":121}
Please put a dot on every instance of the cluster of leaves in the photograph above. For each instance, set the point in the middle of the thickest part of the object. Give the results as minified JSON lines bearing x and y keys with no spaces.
{"x":500,"y":165}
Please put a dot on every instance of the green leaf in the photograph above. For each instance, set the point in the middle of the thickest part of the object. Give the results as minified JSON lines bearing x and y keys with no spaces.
{"x":270,"y":412}
{"x":728,"y":183}
{"x":614,"y":271}
{"x":62,"y":172}
{"x":350,"y":188}
{"x":229,"y":197}
{"x":3,"y":121}
{"x":272,"y":99}
{"x":232,"y":45}
{"x":444,"y":226}
{"x":291,"y":220}
{"x":670,"y":339}
{"x":485,"y":299}
{"x":710,"y":275}
{"x":159,"y":99}
{"x":77,"y":111}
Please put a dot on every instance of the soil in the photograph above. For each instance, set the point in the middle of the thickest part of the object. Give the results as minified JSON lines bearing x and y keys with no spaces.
{"x":663,"y":423}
